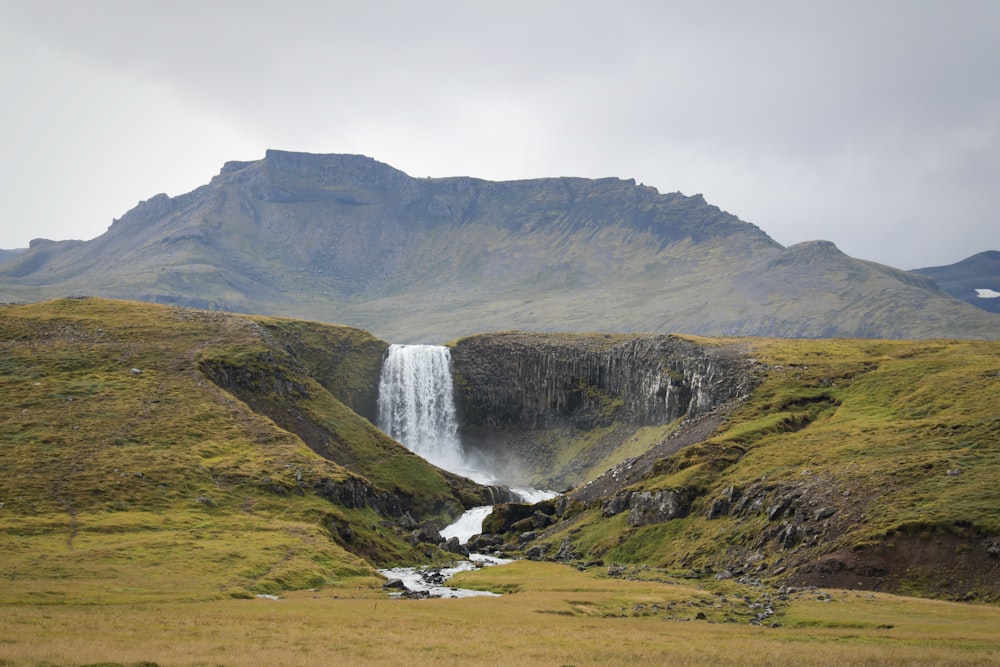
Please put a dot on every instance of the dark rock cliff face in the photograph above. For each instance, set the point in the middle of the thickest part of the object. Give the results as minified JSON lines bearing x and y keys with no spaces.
{"x":518,"y":393}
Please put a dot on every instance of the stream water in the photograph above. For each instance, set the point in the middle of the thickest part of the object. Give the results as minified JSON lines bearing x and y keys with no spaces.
{"x":416,"y":406}
{"x":431,"y":582}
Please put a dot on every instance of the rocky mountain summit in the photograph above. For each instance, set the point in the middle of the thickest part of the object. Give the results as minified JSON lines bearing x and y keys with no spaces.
{"x":344,"y":238}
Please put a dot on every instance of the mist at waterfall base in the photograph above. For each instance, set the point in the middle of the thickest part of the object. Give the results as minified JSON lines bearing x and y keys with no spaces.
{"x":416,"y":406}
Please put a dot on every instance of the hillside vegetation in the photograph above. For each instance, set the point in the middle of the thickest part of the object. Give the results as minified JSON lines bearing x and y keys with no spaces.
{"x":127,"y":474}
{"x":139,"y":437}
{"x":854,"y":463}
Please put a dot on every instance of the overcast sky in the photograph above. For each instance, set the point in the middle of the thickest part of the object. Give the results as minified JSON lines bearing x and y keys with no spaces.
{"x":875,"y":125}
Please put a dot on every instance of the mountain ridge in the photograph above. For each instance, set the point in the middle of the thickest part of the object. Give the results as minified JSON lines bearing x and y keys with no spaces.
{"x":348,"y":239}
{"x":970,"y":278}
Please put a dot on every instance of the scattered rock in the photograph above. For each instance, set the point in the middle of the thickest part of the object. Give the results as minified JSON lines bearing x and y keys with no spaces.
{"x":537,"y":552}
{"x":567,"y":552}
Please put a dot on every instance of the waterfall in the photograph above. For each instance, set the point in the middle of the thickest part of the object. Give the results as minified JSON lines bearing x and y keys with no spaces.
{"x":467,"y":525}
{"x":416,"y":404}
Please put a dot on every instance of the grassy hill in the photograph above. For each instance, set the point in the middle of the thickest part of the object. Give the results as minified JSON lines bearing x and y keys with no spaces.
{"x":128,"y":474}
{"x":854,"y":463}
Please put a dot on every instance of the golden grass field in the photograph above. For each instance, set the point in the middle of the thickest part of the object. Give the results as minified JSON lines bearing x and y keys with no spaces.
{"x":558,"y":617}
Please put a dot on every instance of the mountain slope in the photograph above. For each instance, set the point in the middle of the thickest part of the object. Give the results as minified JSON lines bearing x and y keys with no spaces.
{"x":344,"y":238}
{"x":8,"y":254}
{"x":975,"y":280}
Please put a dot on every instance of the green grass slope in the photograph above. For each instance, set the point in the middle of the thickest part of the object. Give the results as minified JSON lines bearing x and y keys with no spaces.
{"x":858,"y":464}
{"x":127,"y":474}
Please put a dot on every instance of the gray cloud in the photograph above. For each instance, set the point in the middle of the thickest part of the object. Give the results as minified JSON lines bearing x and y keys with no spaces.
{"x":874,"y":125}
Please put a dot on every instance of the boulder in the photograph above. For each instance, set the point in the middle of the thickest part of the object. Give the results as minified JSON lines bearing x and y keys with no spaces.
{"x":425,"y":534}
{"x":503,"y":517}
{"x":615,"y":505}
{"x":649,"y":507}
{"x":452,"y":545}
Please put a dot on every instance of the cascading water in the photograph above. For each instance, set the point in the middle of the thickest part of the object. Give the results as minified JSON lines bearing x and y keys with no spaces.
{"x":416,"y":404}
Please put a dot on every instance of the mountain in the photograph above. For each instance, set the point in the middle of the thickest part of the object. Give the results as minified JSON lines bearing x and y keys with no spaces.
{"x":343,"y":238}
{"x":7,"y":254}
{"x":975,"y":280}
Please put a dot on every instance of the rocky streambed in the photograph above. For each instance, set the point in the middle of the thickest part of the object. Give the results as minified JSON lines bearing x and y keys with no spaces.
{"x":420,"y":583}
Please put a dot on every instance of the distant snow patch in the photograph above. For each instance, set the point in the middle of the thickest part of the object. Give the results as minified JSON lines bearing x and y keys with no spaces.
{"x":987,"y":294}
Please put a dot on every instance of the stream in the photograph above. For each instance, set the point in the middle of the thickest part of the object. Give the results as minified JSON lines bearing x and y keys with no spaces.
{"x":430,"y":582}
{"x":416,"y":406}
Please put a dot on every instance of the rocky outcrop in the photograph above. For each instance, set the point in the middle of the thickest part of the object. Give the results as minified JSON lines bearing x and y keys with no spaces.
{"x":808,"y":512}
{"x":648,"y":507}
{"x":518,"y":517}
{"x":523,"y":398}
{"x":537,"y":381}
{"x":355,"y":493}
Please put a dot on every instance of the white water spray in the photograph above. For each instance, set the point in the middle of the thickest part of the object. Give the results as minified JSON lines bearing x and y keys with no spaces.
{"x":467,"y":525}
{"x":416,"y":404}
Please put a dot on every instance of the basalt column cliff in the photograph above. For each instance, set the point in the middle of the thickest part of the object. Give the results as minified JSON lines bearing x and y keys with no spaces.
{"x":556,"y":409}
